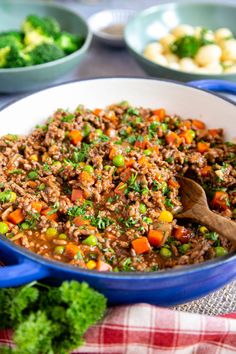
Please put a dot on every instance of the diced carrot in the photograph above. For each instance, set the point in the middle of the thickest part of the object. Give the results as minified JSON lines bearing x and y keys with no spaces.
{"x":77,"y":194}
{"x":129,"y":163}
{"x":85,"y":177}
{"x":125,"y":175}
{"x":120,"y":189}
{"x":113,"y":153}
{"x":182,"y":234}
{"x":220,"y":200}
{"x":141,"y":245}
{"x":203,"y":147}
{"x":154,"y":118}
{"x":16,"y":217}
{"x":188,"y":136}
{"x":111,"y":132}
{"x":49,"y":214}
{"x":198,"y":124}
{"x":78,"y":221}
{"x":173,"y":183}
{"x":32,"y":184}
{"x":214,"y":132}
{"x":75,"y":136}
{"x":186,"y":123}
{"x":140,"y":144}
{"x":155,"y":148}
{"x":155,"y":237}
{"x":143,"y":161}
{"x":161,"y":113}
{"x":205,"y":171}
{"x":173,"y":139}
{"x":37,"y":206}
{"x":71,"y":250}
{"x":98,"y":111}
{"x":103,"y":266}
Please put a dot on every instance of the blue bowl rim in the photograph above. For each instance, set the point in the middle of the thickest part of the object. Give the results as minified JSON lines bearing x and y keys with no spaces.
{"x":165,"y":6}
{"x":68,"y":57}
{"x":161,"y":274}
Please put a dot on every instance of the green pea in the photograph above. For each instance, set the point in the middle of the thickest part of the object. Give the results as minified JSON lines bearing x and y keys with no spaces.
{"x":118,"y":160}
{"x":165,"y":252}
{"x":164,"y":127}
{"x":62,"y":237}
{"x":142,"y":208}
{"x":184,"y":248}
{"x":99,"y":132}
{"x":3,"y":228}
{"x":220,"y":251}
{"x":147,"y":220}
{"x":164,"y":188}
{"x":59,"y":250}
{"x":88,"y":169}
{"x":57,"y":163}
{"x":145,"y":191}
{"x":107,"y":167}
{"x":90,"y":241}
{"x":25,"y":226}
{"x":147,"y":152}
{"x":86,"y":130}
{"x":33,"y":175}
{"x":51,"y":231}
{"x":41,"y":187}
{"x":192,"y":132}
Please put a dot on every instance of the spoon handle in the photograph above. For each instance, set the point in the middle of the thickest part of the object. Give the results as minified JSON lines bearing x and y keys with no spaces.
{"x":220,"y":224}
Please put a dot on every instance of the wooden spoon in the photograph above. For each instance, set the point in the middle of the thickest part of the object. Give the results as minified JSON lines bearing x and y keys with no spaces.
{"x":195,"y":207}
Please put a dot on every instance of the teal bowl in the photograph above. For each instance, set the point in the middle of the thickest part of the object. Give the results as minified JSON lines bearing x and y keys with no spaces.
{"x":155,"y":22}
{"x":12,"y":13}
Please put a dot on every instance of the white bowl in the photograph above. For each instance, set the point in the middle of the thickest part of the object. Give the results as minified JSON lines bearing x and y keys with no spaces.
{"x":102,"y":20}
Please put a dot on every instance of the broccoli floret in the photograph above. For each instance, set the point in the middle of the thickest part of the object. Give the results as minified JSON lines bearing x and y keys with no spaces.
{"x":13,"y":37}
{"x":12,"y":57}
{"x":34,"y":38}
{"x":45,"y":52}
{"x":46,"y":26}
{"x":69,"y":42}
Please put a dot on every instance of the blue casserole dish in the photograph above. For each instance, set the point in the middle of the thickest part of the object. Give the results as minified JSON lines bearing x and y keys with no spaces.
{"x":166,"y":288}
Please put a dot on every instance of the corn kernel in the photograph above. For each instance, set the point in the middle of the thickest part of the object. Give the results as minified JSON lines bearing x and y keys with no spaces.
{"x":12,"y":197}
{"x":45,"y":157}
{"x":165,"y":216}
{"x":129,"y":130}
{"x":203,"y":230}
{"x":91,"y":265}
{"x":82,"y":164}
{"x":34,"y":158}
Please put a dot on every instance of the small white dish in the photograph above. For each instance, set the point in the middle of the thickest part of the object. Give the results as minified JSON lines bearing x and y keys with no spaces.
{"x":108,"y":26}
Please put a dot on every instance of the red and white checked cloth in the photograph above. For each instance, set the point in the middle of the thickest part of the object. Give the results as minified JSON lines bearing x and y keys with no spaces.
{"x":146,"y":329}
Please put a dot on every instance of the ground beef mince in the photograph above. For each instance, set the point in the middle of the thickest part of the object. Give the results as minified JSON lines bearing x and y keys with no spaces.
{"x":99,"y":190}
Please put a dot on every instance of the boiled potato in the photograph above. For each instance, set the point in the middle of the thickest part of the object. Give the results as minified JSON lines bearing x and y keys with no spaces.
{"x":222,"y":33}
{"x":183,"y":30}
{"x":229,"y":50}
{"x":152,"y":50}
{"x":171,"y":58}
{"x":208,"y":54}
{"x":167,"y":41}
{"x":174,"y":66}
{"x":160,"y":59}
{"x":187,"y":64}
{"x":231,"y":69}
{"x":214,"y":68}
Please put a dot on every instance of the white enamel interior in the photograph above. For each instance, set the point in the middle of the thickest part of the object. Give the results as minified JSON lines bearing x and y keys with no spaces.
{"x":22,"y":116}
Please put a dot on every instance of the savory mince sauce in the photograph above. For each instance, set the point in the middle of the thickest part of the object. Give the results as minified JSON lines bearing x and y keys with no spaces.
{"x":98,"y":189}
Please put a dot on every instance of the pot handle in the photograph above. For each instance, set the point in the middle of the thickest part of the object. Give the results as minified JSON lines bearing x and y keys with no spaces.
{"x":215,"y":85}
{"x":22,"y":273}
